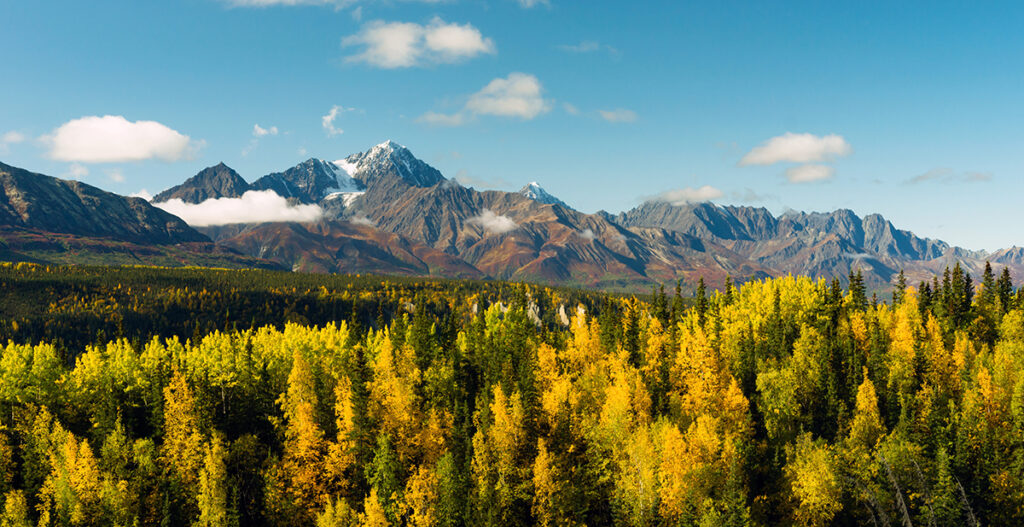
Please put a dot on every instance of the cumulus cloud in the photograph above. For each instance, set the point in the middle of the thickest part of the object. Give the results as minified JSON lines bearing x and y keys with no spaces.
{"x":520,"y":95}
{"x":255,"y":206}
{"x":809,"y":173}
{"x":492,"y":223}
{"x":618,"y":115}
{"x":327,"y":121}
{"x":797,"y":148}
{"x":686,"y":195}
{"x":587,"y":234}
{"x":114,"y":139}
{"x":406,"y":44}
{"x":259,"y":131}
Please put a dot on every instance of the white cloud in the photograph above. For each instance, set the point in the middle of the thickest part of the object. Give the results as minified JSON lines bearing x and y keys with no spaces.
{"x":407,"y":44}
{"x":12,"y":137}
{"x":809,"y":173}
{"x":77,"y":171}
{"x":144,"y":194}
{"x":570,"y":109}
{"x":363,"y":220}
{"x":255,"y":206}
{"x":113,"y":139}
{"x":492,"y":223}
{"x":686,"y":195}
{"x":302,"y":151}
{"x":520,"y":95}
{"x":587,"y":234}
{"x":618,"y":115}
{"x":797,"y":148}
{"x":259,"y":131}
{"x":328,"y":120}
{"x":532,"y":3}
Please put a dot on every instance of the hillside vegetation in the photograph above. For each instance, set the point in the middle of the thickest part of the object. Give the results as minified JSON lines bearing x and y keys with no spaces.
{"x":358,"y":401}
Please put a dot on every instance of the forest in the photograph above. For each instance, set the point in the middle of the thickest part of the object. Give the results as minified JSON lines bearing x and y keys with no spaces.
{"x":143,"y":396}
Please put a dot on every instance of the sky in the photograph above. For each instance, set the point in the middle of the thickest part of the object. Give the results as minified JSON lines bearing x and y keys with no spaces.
{"x":912,"y":110}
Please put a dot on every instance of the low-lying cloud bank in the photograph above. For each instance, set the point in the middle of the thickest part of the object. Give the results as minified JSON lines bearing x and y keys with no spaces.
{"x":255,"y":206}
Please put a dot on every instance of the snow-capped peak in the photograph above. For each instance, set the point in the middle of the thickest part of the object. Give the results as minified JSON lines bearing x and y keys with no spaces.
{"x":390,"y":157}
{"x":534,"y":191}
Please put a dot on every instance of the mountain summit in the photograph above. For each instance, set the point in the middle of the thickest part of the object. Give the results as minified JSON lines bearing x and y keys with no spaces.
{"x":218,"y":181}
{"x":390,"y":159}
{"x":534,"y":191}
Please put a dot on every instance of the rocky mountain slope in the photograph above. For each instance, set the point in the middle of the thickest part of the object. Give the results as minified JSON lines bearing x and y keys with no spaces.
{"x":35,"y":201}
{"x":48,"y":220}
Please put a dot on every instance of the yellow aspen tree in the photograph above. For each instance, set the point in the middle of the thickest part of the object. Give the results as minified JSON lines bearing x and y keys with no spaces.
{"x":374,"y":514}
{"x":814,"y":482}
{"x":421,"y":498}
{"x":214,"y":508}
{"x":182,"y":450}
{"x":16,"y":510}
{"x":545,"y":488}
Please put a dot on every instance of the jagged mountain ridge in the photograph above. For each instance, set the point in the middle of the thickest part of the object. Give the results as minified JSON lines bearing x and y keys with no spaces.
{"x":398,"y":214}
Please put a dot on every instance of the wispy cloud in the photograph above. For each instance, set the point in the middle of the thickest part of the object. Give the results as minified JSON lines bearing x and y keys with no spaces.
{"x":327,"y":121}
{"x":10,"y":138}
{"x":113,"y":139}
{"x":686,"y":195}
{"x":590,"y":46}
{"x":948,"y":175}
{"x":77,"y":171}
{"x":392,"y":45}
{"x":519,"y":95}
{"x":532,"y":3}
{"x":464,"y":178}
{"x":255,"y":206}
{"x":618,"y":115}
{"x":797,"y":148}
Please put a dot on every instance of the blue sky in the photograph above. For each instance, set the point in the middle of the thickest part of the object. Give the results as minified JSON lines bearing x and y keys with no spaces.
{"x":912,"y":111}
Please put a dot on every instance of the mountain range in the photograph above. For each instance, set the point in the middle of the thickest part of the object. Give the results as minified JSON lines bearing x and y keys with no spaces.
{"x":386,"y":211}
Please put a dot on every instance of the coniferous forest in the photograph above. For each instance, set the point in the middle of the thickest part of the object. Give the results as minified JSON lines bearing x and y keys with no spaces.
{"x":145,"y":396}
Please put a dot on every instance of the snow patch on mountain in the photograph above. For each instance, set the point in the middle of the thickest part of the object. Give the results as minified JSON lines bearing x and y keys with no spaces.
{"x":534,"y":191}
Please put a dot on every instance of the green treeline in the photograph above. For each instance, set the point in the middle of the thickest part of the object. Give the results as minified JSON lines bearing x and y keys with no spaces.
{"x":786,"y":401}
